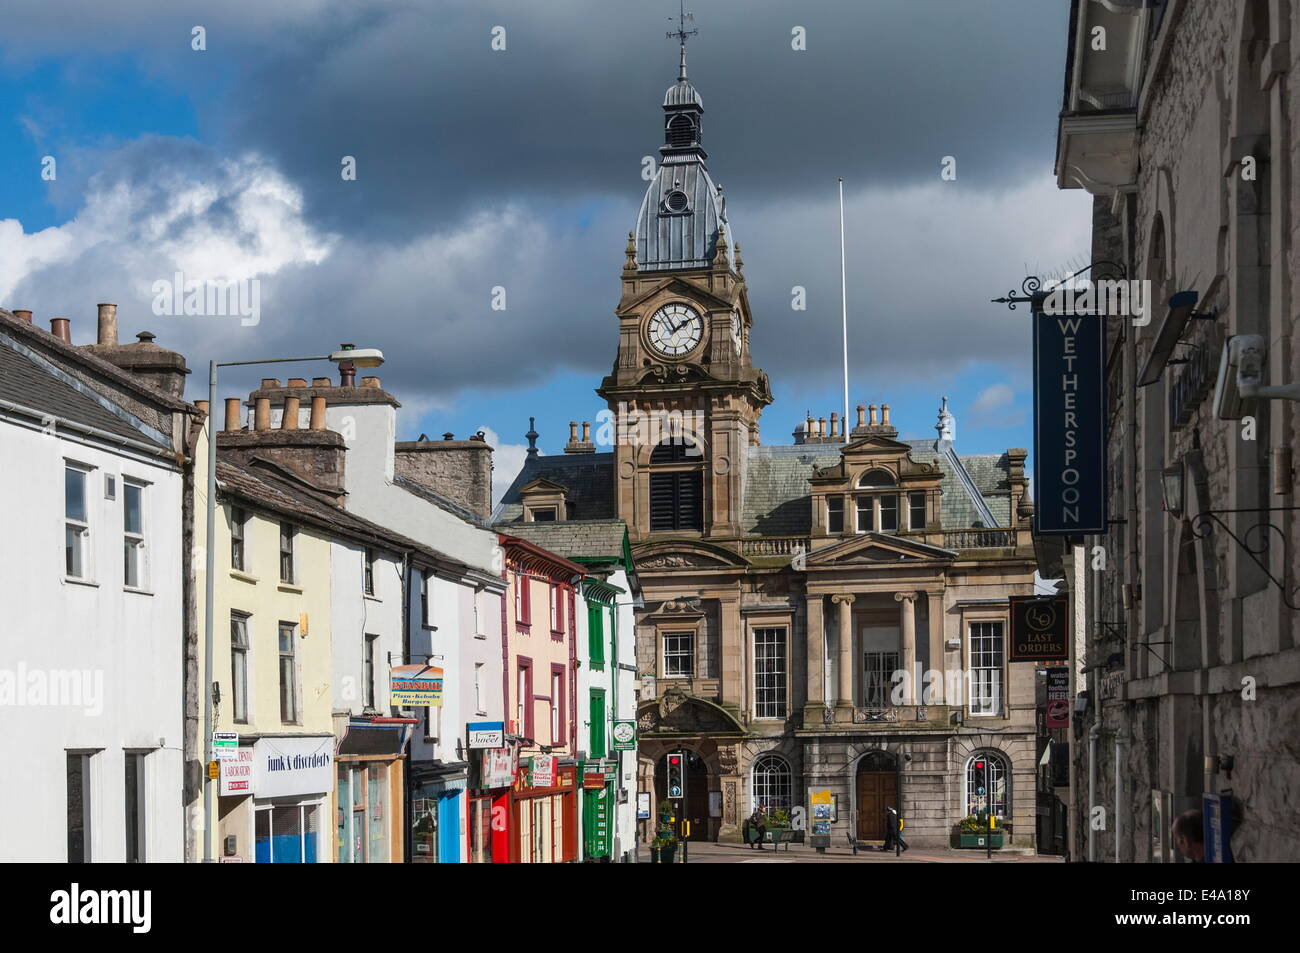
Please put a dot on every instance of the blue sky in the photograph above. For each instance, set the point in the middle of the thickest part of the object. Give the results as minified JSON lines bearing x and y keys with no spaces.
{"x":522,"y":170}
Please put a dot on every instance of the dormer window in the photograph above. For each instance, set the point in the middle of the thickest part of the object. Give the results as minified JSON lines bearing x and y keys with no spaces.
{"x":876,"y":509}
{"x":544,"y":501}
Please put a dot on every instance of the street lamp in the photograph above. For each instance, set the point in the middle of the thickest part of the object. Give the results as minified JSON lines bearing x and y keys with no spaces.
{"x":347,"y":354}
{"x":1172,"y":483}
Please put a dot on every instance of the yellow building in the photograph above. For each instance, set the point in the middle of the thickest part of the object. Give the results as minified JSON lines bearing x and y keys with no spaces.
{"x":271,"y":660}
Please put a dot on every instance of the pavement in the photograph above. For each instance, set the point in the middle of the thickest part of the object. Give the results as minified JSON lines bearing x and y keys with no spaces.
{"x":706,"y":853}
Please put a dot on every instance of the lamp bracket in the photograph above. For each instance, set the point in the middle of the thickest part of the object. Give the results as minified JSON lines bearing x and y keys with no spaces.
{"x":1254,"y":542}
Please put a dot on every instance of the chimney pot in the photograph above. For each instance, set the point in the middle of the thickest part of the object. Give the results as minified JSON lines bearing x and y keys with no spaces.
{"x":370,"y":382}
{"x":872,"y":410}
{"x":586,"y":431}
{"x":862,"y":416}
{"x":320,"y":382}
{"x":835,"y":420}
{"x":290,"y":419}
{"x":573,"y":431}
{"x":22,"y":314}
{"x":270,"y":383}
{"x":61,"y":328}
{"x":448,"y":436}
{"x":262,"y":413}
{"x":318,"y":412}
{"x":146,"y":337}
{"x":884,"y":414}
{"x":107,"y":324}
{"x":202,"y":405}
{"x":297,"y":382}
{"x":347,"y":374}
{"x":821,"y":426}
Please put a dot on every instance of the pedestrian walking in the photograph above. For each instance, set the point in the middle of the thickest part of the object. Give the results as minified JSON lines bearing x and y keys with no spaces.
{"x":757,"y":827}
{"x":893,"y":831}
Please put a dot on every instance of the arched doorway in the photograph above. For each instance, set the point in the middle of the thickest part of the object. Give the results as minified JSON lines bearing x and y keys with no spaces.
{"x":876,"y":785}
{"x":696,"y":808}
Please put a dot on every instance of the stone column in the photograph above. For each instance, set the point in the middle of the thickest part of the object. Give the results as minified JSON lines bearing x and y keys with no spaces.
{"x":731,"y":664}
{"x":938,"y":651}
{"x":816,"y":700}
{"x":845,"y":695}
{"x":908,"y":612}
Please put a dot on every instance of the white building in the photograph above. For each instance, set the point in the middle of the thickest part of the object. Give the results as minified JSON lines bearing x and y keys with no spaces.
{"x":436,"y":493}
{"x":92,"y":652}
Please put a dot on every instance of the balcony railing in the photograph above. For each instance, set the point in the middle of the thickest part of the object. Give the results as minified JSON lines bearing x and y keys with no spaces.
{"x":774,"y":546}
{"x":980,"y":539}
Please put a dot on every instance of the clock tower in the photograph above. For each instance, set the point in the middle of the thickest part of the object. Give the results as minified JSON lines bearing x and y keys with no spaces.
{"x":683,"y":390}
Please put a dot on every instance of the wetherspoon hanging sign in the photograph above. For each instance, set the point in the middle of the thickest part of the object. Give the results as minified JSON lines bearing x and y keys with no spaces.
{"x":1069,"y":424}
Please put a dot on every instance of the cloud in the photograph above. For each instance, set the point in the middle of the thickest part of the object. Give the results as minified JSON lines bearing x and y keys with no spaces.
{"x":507,"y":460}
{"x":995,"y":406}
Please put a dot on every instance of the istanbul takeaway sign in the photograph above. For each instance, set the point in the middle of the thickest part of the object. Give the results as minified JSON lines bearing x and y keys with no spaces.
{"x":1069,"y":424}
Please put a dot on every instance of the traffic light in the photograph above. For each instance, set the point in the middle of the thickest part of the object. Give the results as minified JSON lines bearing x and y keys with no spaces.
{"x":676,"y":775}
{"x":978,"y":777}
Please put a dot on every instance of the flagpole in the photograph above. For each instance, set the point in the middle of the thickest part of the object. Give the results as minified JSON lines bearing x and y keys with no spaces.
{"x":844,"y":320}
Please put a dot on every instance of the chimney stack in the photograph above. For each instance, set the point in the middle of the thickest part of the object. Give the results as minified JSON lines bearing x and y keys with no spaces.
{"x":107,"y":325}
{"x":835,"y":422}
{"x":289,"y":421}
{"x":61,"y":328}
{"x":262,"y":413}
{"x":22,"y":314}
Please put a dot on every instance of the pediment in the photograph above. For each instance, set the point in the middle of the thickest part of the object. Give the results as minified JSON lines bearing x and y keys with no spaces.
{"x":675,"y":285}
{"x":876,"y":548}
{"x":677,"y":713}
{"x":685,"y":554}
{"x":541,"y":484}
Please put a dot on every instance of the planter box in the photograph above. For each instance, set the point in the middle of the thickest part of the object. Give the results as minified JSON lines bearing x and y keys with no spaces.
{"x":976,"y":840}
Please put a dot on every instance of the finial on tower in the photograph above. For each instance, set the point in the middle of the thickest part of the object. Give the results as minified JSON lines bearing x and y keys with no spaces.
{"x":532,"y":436}
{"x":947,"y":425}
{"x":680,"y":34}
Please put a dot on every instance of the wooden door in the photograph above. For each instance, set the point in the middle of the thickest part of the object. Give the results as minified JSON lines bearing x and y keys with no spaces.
{"x":877,"y":790}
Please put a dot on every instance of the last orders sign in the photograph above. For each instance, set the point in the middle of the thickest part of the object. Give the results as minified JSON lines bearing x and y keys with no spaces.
{"x":1069,"y":425}
{"x":1040,"y":629}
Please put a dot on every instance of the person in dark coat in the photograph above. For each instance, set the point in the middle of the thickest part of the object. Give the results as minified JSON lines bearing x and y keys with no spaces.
{"x":892,"y":833}
{"x":757,"y":825}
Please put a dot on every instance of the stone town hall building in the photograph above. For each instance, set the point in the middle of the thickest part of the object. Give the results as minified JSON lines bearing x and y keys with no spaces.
{"x":783,"y":585}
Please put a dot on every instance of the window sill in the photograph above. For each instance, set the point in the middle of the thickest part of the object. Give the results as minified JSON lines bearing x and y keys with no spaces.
{"x":136,"y":591}
{"x":371,"y":597}
{"x":289,"y":587}
{"x":481,"y":635}
{"x":523,"y":628}
{"x":243,"y":576}
{"x":480,"y":713}
{"x":74,"y":581}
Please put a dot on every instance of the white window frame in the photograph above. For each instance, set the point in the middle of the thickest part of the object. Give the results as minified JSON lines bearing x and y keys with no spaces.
{"x":134,"y":545}
{"x":480,"y":703}
{"x":557,"y":693}
{"x":85,"y":552}
{"x":764,"y":793}
{"x":239,"y":534}
{"x":292,"y":656}
{"x":241,"y":619}
{"x":368,"y":572}
{"x":990,"y":704}
{"x":1001,"y":776}
{"x":292,"y":536}
{"x":677,"y":653}
{"x":778,"y":707}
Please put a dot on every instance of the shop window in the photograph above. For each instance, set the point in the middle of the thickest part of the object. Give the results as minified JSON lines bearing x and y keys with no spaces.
{"x":286,"y":833}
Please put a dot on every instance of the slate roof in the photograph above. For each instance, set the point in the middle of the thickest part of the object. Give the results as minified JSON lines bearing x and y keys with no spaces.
{"x":269,"y":487}
{"x":778,"y":499}
{"x":24,"y":382}
{"x":588,"y":477}
{"x":574,"y":539}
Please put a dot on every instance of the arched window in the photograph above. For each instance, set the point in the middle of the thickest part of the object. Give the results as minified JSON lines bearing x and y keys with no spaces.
{"x":676,"y":486}
{"x":773,"y":784}
{"x":988,"y":784}
{"x":876,"y":511}
{"x":681,"y":130}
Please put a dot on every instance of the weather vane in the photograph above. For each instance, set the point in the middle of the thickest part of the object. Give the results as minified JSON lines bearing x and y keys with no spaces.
{"x":681,"y":33}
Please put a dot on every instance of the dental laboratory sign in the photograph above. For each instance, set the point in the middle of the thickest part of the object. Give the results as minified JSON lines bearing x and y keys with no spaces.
{"x":1069,"y":424}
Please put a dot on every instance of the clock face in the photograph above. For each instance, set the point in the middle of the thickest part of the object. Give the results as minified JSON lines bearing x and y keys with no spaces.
{"x":737,"y":338}
{"x":675,"y":330}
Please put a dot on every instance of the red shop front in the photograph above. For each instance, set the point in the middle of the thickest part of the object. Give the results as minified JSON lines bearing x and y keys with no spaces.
{"x":544,"y":820}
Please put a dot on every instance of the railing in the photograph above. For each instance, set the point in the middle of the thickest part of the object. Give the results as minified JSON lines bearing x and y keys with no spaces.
{"x":980,"y":539}
{"x":774,"y":546}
